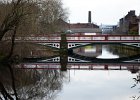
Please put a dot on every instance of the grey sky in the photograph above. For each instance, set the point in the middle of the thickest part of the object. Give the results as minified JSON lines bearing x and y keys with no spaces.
{"x":103,"y":11}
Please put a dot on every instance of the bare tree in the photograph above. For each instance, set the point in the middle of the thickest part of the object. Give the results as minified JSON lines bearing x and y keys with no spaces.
{"x":31,"y":85}
{"x":51,"y":12}
{"x":23,"y":17}
{"x":15,"y":12}
{"x":12,"y":18}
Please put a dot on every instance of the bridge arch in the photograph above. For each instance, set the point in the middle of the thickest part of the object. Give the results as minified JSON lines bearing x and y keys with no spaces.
{"x":134,"y":58}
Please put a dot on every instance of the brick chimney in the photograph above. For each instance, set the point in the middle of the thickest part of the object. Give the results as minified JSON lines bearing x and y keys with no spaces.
{"x":89,"y":16}
{"x":139,"y":26}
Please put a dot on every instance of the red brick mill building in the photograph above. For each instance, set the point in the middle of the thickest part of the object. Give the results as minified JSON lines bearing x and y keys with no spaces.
{"x":80,"y":28}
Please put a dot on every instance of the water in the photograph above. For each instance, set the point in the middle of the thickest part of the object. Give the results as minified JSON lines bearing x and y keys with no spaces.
{"x":99,"y":85}
{"x":80,"y":81}
{"x":106,"y":54}
{"x":102,"y":84}
{"x":107,"y":51}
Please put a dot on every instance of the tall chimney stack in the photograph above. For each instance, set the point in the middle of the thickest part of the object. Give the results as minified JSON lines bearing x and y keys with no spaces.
{"x":139,"y":26}
{"x":89,"y":16}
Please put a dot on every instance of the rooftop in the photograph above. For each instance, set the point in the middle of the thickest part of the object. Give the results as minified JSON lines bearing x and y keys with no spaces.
{"x":86,"y":30}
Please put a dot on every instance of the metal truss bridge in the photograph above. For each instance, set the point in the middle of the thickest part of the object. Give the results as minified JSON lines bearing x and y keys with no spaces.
{"x":80,"y":40}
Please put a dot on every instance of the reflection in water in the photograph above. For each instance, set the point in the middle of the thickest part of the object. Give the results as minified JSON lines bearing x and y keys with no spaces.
{"x":31,"y":84}
{"x":80,"y":82}
{"x":7,"y":82}
{"x":123,"y":50}
{"x":39,"y":84}
{"x":136,"y":85}
{"x":52,"y":84}
{"x":106,"y":54}
{"x":91,"y":50}
{"x":107,"y":51}
{"x":99,"y":85}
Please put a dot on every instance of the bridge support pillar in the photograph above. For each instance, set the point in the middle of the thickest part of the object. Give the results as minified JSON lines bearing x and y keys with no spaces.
{"x":63,"y":52}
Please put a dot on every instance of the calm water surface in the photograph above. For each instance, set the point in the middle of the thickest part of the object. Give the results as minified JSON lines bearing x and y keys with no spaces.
{"x":107,"y":51}
{"x":45,"y":84}
{"x":99,"y":85}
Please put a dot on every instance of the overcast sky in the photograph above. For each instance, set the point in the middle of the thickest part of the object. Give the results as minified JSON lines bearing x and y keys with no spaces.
{"x":103,"y":11}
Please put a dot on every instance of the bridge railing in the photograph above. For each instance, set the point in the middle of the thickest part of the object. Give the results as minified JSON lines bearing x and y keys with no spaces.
{"x":104,"y":37}
{"x":84,"y":37}
{"x":79,"y":38}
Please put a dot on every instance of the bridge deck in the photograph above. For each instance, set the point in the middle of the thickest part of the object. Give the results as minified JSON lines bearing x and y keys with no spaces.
{"x":81,"y":38}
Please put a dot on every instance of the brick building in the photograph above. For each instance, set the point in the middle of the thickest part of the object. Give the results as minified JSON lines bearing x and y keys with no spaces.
{"x":85,"y":28}
{"x":128,"y":24}
{"x":80,"y":28}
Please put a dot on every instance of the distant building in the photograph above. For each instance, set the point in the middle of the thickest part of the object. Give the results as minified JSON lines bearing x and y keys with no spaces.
{"x":62,"y":25}
{"x":108,"y":29}
{"x":85,"y":28}
{"x":128,"y":24}
{"x":80,"y":28}
{"x":88,"y":28}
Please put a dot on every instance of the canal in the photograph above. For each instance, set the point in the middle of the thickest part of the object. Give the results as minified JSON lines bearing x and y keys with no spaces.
{"x":102,"y":84}
{"x":106,"y":81}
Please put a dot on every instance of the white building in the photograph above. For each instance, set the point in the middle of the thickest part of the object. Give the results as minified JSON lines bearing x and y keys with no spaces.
{"x":107,"y":29}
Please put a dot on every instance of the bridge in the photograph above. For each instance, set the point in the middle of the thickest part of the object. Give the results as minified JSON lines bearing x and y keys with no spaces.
{"x":75,"y":61}
{"x":80,"y":40}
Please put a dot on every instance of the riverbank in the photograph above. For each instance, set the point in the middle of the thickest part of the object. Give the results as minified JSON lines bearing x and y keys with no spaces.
{"x":25,"y":50}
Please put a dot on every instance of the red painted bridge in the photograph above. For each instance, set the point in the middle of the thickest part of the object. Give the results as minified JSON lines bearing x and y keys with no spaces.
{"x":82,"y":38}
{"x":73,"y":39}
